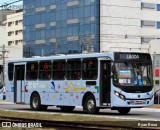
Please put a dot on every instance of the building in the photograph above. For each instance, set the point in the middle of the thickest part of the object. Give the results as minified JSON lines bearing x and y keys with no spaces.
{"x":70,"y":26}
{"x":14,"y":29}
{"x":11,"y":35}
{"x":3,"y":35}
{"x":3,"y":15}
{"x":60,"y":26}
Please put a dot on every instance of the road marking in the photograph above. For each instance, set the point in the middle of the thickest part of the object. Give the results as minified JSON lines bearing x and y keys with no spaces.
{"x":146,"y":109}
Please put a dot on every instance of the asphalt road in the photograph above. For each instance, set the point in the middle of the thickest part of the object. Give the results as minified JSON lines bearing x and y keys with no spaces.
{"x":143,"y":114}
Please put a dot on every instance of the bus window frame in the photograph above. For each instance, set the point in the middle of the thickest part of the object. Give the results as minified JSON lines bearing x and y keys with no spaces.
{"x":78,"y":70}
{"x":30,"y":71}
{"x":49,"y":61}
{"x":88,"y":69}
{"x":55,"y":70}
{"x":10,"y":79}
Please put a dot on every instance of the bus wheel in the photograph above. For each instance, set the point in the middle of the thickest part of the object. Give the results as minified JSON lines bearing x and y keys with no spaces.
{"x":90,"y":105}
{"x":67,"y":108}
{"x":123,"y":110}
{"x":35,"y":102}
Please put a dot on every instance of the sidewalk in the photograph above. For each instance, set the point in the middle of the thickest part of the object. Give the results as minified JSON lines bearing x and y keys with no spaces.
{"x":154,"y":106}
{"x":5,"y":102}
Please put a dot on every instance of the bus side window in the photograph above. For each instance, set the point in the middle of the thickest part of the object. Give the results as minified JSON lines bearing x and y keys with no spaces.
{"x":32,"y":71}
{"x":45,"y":70}
{"x":10,"y":71}
{"x":74,"y":69}
{"x":59,"y":68}
{"x":90,"y":68}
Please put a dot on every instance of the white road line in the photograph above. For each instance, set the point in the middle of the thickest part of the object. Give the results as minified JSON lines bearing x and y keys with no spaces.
{"x":146,"y":109}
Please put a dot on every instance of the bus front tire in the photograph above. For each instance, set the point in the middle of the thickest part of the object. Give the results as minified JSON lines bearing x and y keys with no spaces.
{"x":35,"y":103}
{"x":90,"y":105}
{"x":124,"y":111}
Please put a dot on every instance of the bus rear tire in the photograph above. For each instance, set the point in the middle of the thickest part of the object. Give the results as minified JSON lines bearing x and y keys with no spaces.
{"x":67,"y":108}
{"x":90,"y":105}
{"x":124,"y":110}
{"x":35,"y":103}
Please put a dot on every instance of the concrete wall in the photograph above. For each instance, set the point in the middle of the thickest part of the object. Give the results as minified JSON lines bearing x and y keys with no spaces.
{"x":121,"y":28}
{"x":3,"y":35}
{"x":150,"y":15}
{"x":120,"y":25}
{"x":154,"y":47}
{"x":13,"y":53}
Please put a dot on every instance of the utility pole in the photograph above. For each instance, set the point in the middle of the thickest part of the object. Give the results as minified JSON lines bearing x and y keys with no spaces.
{"x":87,"y":42}
{"x":3,"y":51}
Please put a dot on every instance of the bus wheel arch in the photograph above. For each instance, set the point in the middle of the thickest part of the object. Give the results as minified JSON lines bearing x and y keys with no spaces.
{"x":124,"y":110}
{"x":35,"y":102}
{"x":89,"y":103}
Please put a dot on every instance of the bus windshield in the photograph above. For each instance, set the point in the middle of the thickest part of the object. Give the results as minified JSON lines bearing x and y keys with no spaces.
{"x":133,"y":74}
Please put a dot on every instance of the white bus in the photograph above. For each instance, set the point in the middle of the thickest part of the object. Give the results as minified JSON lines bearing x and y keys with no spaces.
{"x":115,"y":80}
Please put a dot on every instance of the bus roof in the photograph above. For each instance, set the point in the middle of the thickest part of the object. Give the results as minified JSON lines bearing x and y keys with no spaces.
{"x":71,"y":56}
{"x":60,"y":56}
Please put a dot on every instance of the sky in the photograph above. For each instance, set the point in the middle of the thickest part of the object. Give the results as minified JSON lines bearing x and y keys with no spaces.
{"x":13,"y":6}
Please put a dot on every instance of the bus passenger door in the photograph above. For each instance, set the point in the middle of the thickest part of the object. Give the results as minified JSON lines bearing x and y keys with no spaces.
{"x":19,"y":83}
{"x":105,"y":82}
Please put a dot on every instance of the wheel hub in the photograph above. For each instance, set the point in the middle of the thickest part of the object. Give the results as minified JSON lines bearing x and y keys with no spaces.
{"x":90,"y":105}
{"x":35,"y":102}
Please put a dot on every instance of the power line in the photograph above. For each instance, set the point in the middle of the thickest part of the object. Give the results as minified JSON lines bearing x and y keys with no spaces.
{"x":10,"y":3}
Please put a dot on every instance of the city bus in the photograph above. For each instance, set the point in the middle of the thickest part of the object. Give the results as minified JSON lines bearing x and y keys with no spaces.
{"x":116,"y":80}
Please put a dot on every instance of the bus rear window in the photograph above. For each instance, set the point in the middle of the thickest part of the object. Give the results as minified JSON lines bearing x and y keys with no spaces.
{"x":45,"y":70}
{"x":10,"y":71}
{"x":32,"y":71}
{"x":90,"y":68}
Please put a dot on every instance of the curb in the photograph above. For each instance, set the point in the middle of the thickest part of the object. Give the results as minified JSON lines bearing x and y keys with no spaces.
{"x":5,"y":102}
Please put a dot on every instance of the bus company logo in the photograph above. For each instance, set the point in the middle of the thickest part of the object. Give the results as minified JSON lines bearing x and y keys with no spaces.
{"x":6,"y":124}
{"x":132,"y":57}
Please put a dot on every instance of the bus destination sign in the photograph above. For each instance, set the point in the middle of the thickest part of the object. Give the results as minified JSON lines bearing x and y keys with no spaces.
{"x":131,"y":56}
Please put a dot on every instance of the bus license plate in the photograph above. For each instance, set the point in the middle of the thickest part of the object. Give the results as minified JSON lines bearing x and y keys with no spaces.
{"x":138,"y":102}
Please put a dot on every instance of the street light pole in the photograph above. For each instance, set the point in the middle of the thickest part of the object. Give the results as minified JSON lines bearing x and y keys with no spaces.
{"x":4,"y":51}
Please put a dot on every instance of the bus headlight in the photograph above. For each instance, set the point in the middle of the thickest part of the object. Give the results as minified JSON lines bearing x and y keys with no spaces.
{"x":120,"y":95}
{"x":152,"y":96}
